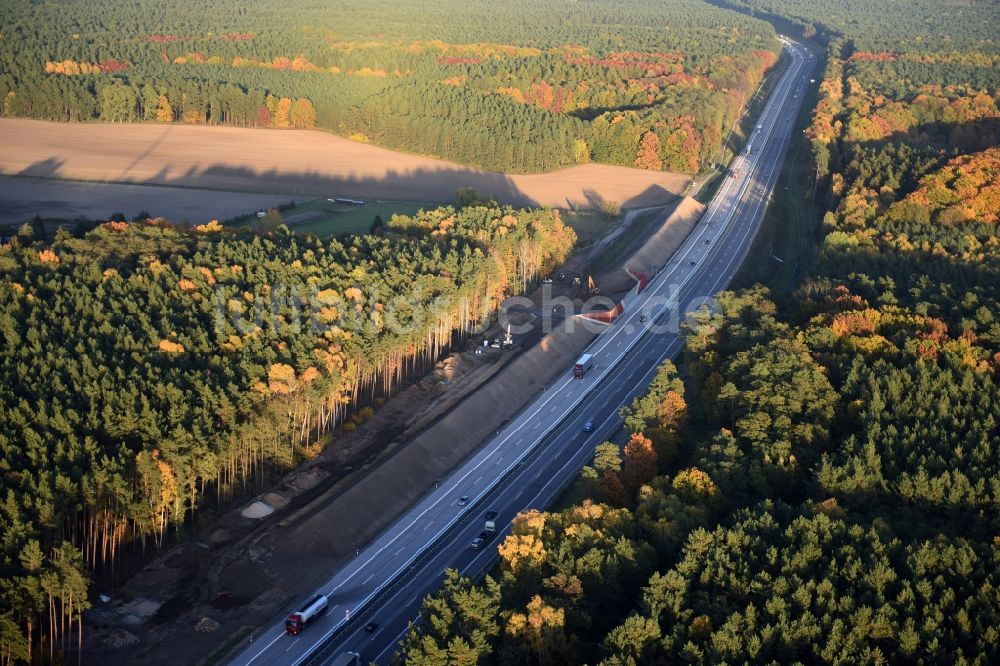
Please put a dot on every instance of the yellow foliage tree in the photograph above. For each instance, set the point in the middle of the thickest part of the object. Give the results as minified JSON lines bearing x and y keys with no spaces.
{"x":303,"y":114}
{"x":537,"y":624}
{"x":164,"y":112}
{"x":522,"y":550}
{"x":282,"y":114}
{"x":695,"y":485}
{"x":210,"y":228}
{"x":513,"y":93}
{"x":281,"y":379}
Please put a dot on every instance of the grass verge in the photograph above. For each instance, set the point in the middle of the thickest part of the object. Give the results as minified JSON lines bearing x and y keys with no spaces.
{"x":325,"y":218}
{"x":586,"y":223}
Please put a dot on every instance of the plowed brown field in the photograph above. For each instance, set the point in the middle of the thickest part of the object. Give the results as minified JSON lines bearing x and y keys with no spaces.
{"x":298,"y":162}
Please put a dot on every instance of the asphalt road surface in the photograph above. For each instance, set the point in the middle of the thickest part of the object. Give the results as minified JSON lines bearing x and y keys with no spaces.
{"x":541,"y":450}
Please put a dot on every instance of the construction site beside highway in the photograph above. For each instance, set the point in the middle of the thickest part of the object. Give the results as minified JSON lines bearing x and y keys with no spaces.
{"x":203,"y":597}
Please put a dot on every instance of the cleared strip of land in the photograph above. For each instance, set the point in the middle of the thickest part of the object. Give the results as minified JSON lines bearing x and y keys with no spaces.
{"x":296,"y":163}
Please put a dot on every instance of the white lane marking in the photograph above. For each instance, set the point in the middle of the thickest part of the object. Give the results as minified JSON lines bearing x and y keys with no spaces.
{"x":268,"y":646}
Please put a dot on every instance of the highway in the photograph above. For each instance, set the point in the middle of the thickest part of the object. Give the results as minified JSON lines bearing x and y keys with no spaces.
{"x":539,"y":451}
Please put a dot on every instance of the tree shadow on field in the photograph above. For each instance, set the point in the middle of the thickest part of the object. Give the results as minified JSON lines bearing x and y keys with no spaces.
{"x":431,"y":185}
{"x":47,"y":168}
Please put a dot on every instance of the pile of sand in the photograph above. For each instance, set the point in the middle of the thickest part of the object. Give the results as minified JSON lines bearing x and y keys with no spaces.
{"x":257,"y":510}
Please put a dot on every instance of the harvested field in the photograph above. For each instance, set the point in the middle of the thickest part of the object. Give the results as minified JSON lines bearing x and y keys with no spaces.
{"x":297,"y":163}
{"x":23,"y":198}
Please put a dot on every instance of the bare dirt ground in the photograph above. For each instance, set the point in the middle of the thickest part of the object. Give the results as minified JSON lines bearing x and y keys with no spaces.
{"x":23,"y":198}
{"x":172,"y":611}
{"x":299,"y":162}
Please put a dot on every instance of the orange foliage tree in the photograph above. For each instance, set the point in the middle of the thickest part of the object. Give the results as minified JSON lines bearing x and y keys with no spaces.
{"x":649,"y":153}
{"x":640,"y":462}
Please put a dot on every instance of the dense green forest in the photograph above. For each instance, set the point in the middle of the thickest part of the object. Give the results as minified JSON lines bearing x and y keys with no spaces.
{"x":515,"y":86}
{"x":822,"y":483}
{"x":149,"y":371}
{"x":925,"y":26}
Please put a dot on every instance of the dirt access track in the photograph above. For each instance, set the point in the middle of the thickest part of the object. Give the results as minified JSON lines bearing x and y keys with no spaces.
{"x":300,"y":162}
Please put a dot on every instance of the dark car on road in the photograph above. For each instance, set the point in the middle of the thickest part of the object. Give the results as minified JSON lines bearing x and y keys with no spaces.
{"x":491,"y":514}
{"x":371,"y":626}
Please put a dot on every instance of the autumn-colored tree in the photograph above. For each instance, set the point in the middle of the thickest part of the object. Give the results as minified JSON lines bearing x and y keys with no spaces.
{"x":282,"y":113}
{"x":541,"y":627}
{"x":524,"y":547}
{"x":281,"y":379}
{"x":543,"y":95}
{"x":695,"y":486}
{"x":672,"y":411}
{"x":303,"y":114}
{"x":649,"y":153}
{"x":640,"y":462}
{"x":48,"y":257}
{"x":212,"y":227}
{"x":263,"y":116}
{"x":164,"y":112}
{"x":271,"y":102}
{"x":612,"y":489}
{"x":170,"y":347}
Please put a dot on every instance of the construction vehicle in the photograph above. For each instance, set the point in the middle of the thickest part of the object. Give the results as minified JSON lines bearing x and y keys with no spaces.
{"x":592,"y":286}
{"x":297,"y":621}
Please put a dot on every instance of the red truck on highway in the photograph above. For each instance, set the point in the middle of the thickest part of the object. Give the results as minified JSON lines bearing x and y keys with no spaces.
{"x":298,"y":620}
{"x":584,"y":363}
